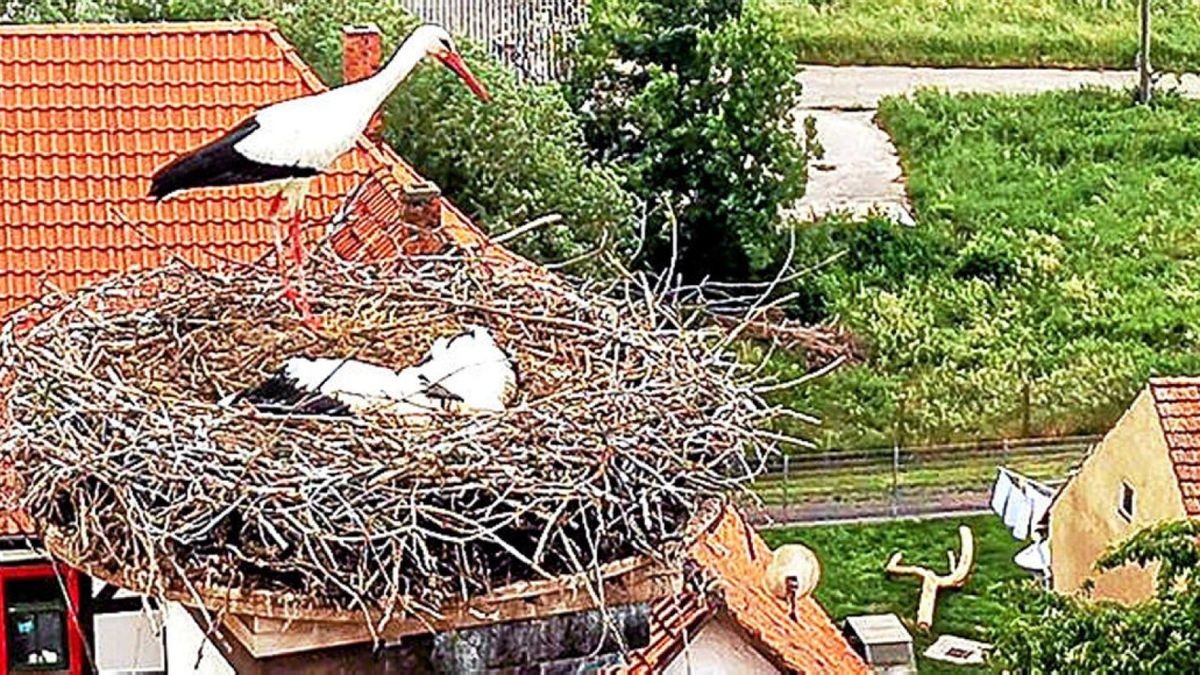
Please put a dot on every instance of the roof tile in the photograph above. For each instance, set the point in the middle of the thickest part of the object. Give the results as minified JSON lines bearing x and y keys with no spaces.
{"x":1177,"y":401}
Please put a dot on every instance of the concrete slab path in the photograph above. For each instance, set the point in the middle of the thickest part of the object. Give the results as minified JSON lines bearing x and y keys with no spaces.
{"x":860,"y":171}
{"x":862,"y":87}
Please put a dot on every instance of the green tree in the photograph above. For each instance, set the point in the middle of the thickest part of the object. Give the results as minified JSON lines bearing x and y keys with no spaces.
{"x":694,"y":98}
{"x":1045,"y":632}
{"x":520,"y":158}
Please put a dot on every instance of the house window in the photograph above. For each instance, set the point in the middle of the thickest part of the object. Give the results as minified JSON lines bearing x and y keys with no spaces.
{"x":1125,"y":508}
{"x":35,"y":625}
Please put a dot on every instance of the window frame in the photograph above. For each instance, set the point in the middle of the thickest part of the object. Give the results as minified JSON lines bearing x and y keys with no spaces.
{"x":1127,"y":490}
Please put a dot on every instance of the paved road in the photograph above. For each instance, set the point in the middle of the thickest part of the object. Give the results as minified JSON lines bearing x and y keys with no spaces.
{"x":860,"y":172}
{"x":862,"y":87}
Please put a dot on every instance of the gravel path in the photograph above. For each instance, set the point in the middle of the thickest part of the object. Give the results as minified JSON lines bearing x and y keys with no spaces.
{"x":860,"y":172}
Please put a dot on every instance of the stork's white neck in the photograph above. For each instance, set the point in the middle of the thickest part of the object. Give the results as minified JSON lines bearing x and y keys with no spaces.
{"x":377,"y":87}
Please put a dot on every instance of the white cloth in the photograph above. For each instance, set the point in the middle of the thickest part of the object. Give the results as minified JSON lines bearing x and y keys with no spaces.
{"x":1000,"y":492}
{"x":1039,"y":503}
{"x":1034,"y":557}
{"x":1017,"y":513}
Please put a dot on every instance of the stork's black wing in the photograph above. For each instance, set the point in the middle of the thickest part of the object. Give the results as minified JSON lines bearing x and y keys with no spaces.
{"x":280,"y":395}
{"x":219,"y":163}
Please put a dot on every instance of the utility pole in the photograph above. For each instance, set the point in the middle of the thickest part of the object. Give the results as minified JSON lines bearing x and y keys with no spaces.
{"x":1143,"y":92}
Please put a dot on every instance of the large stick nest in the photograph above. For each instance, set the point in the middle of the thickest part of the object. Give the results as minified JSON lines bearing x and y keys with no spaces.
{"x":625,"y":421}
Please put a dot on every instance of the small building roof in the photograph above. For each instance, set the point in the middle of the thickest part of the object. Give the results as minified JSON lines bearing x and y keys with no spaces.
{"x":1177,"y":403}
{"x":879,"y":629}
{"x":734,"y":559}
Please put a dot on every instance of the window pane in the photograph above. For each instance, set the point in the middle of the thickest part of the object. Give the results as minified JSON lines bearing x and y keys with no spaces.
{"x":35,"y":625}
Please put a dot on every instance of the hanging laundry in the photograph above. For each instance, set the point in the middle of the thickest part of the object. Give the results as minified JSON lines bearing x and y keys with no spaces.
{"x":1017,"y":513}
{"x":1034,"y":557}
{"x":1039,"y":502}
{"x":1021,"y":502}
{"x":1000,"y":492}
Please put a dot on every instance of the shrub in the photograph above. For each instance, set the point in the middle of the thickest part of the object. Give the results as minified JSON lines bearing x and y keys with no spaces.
{"x":694,"y":98}
{"x":1041,"y":631}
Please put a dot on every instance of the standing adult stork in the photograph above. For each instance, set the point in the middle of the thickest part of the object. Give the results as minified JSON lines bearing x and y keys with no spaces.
{"x":295,"y":140}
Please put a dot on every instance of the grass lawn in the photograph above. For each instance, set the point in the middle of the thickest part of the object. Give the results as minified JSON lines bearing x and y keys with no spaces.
{"x":1054,"y":262}
{"x":853,"y":581}
{"x":989,"y":32}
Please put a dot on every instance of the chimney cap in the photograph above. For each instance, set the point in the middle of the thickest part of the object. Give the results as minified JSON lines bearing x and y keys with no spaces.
{"x":361,"y":28}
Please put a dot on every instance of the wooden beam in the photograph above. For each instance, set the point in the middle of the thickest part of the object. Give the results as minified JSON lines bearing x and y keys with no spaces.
{"x":266,"y":637}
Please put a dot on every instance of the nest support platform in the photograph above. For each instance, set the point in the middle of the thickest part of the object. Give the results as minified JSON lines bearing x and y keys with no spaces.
{"x":626,"y":420}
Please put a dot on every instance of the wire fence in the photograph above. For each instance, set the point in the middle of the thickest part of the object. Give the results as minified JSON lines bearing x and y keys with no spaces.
{"x":909,"y":480}
{"x":534,"y":37}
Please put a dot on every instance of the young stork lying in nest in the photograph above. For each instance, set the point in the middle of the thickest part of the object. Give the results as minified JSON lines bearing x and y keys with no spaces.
{"x":463,"y":373}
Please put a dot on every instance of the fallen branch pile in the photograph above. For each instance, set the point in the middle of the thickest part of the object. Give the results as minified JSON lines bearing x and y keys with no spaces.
{"x":626,"y":420}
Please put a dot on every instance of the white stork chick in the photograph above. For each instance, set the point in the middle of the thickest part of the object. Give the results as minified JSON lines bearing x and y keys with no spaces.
{"x":464,"y":373}
{"x":471,"y":368}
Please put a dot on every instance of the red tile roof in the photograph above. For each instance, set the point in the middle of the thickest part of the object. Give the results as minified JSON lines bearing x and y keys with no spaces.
{"x":1177,"y":402}
{"x":735,"y":558}
{"x":88,"y":112}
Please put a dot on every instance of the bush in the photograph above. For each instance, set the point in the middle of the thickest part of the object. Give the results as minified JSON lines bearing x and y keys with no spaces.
{"x":506,"y":163}
{"x":694,"y":98}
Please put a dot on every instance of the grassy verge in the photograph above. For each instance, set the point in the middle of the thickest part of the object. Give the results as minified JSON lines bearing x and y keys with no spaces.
{"x":1073,"y":33}
{"x":853,"y":581}
{"x":1053,"y":269}
{"x":860,"y":484}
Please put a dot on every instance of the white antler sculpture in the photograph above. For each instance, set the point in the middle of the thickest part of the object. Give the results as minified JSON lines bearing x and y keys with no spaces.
{"x":932,"y":582}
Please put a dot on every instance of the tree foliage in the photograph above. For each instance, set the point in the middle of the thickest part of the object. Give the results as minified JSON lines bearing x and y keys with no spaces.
{"x":517,"y":159}
{"x":694,"y":98}
{"x":1045,"y":632}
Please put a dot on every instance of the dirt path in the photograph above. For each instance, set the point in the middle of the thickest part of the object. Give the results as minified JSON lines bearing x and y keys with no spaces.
{"x":860,"y":172}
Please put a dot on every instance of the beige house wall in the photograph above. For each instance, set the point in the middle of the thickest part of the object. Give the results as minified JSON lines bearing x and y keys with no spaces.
{"x":720,"y":648}
{"x":1084,"y":520}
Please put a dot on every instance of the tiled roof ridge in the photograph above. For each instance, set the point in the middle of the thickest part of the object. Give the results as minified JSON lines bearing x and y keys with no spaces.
{"x":138,"y":28}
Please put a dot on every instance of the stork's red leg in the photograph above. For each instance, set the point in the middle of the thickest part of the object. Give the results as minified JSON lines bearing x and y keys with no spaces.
{"x":297,"y":241}
{"x":280,"y":258}
{"x":276,"y":203}
{"x":300,"y":298}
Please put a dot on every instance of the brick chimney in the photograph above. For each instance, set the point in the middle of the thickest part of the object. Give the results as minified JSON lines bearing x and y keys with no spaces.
{"x":362,"y":52}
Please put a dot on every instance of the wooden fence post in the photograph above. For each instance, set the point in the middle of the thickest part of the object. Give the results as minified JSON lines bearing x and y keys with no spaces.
{"x":895,"y":478}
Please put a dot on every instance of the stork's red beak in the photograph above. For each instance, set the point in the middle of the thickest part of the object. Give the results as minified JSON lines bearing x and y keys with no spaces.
{"x":455,"y":62}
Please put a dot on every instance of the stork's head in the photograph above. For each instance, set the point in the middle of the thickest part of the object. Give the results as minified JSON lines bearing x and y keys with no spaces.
{"x":439,"y":45}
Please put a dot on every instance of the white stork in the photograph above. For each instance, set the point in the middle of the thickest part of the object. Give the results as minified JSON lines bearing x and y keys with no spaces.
{"x":295,"y":140}
{"x":464,"y":373}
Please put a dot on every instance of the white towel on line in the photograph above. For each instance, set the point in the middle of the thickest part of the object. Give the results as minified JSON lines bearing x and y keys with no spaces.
{"x":1000,"y":492}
